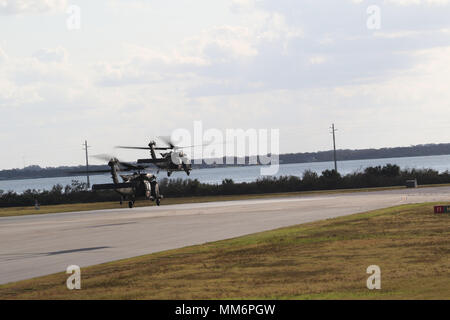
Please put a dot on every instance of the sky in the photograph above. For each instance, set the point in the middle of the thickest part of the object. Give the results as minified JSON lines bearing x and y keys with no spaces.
{"x":121,"y":72}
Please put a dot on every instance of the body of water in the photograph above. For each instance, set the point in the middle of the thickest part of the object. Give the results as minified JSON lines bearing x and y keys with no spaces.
{"x":245,"y":173}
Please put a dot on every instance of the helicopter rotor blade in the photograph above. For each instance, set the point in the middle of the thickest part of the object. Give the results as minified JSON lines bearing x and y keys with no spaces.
{"x":170,"y":145}
{"x":104,"y":157}
{"x":143,"y":148}
{"x":167,"y":141}
{"x":137,"y":148}
{"x":195,"y":146}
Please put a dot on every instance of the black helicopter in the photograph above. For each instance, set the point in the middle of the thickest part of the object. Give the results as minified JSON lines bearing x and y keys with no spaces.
{"x":173,"y":160}
{"x":133,"y":186}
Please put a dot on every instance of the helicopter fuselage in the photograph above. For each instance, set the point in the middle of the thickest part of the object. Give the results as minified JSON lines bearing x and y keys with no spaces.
{"x":136,"y":185}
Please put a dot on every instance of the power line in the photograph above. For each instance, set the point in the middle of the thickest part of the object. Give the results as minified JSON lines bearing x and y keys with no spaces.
{"x":333,"y":131}
{"x":85,"y":147}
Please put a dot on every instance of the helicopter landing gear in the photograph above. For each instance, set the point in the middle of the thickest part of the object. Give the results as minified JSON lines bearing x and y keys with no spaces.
{"x":169,"y":173}
{"x":158,"y":202}
{"x":130,"y":204}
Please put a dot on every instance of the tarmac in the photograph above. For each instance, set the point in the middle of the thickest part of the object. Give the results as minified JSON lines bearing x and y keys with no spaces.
{"x":36,"y":245}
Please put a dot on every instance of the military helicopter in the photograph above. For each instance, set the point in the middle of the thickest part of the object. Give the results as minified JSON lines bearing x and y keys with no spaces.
{"x":173,"y":160}
{"x":136,"y":185}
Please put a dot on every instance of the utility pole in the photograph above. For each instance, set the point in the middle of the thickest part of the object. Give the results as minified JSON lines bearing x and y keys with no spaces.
{"x":333,"y":131}
{"x":85,"y":146}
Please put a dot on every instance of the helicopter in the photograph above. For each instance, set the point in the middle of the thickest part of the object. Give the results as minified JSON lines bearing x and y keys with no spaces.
{"x":173,"y":160}
{"x":136,"y":185}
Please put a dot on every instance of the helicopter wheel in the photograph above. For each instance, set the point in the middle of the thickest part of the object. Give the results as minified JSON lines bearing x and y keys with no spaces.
{"x":130,"y":204}
{"x":158,"y":202}
{"x":169,"y":173}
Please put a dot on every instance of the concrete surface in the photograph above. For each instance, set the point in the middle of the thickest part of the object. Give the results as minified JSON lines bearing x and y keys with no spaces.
{"x":32,"y":246}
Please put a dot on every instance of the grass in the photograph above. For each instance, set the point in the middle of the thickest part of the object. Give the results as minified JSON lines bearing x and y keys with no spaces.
{"x":320,"y":260}
{"x":20,"y":211}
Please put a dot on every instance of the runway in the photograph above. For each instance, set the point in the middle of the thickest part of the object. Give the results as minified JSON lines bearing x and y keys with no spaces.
{"x":32,"y":246}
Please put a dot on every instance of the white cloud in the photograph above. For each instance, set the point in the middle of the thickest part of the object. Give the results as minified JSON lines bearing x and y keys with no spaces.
{"x":418,"y":2}
{"x":207,"y":54}
{"x":3,"y":56}
{"x":58,"y":55}
{"x":144,"y":66}
{"x":27,"y":80}
{"x":48,"y":65}
{"x":243,"y":6}
{"x":12,"y":95}
{"x":317,"y":59}
{"x":125,"y":74}
{"x":31,"y":6}
{"x":267,"y":50}
{"x":222,"y":43}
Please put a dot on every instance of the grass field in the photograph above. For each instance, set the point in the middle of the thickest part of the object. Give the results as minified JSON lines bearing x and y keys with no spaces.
{"x":320,"y":260}
{"x":19,"y":211}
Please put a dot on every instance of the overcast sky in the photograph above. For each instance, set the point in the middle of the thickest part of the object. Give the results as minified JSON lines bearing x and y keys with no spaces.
{"x":141,"y":68}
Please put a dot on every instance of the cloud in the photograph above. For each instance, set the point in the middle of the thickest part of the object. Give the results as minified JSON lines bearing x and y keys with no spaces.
{"x":31,"y":6}
{"x":213,"y":53}
{"x":285,"y":45}
{"x":45,"y":74}
{"x":224,"y":42}
{"x":3,"y":56}
{"x":12,"y":95}
{"x":331,"y":47}
{"x":125,"y":74}
{"x":144,"y":66}
{"x":418,"y":2}
{"x":47,"y":65}
{"x":238,"y":5}
{"x":57,"y":55}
